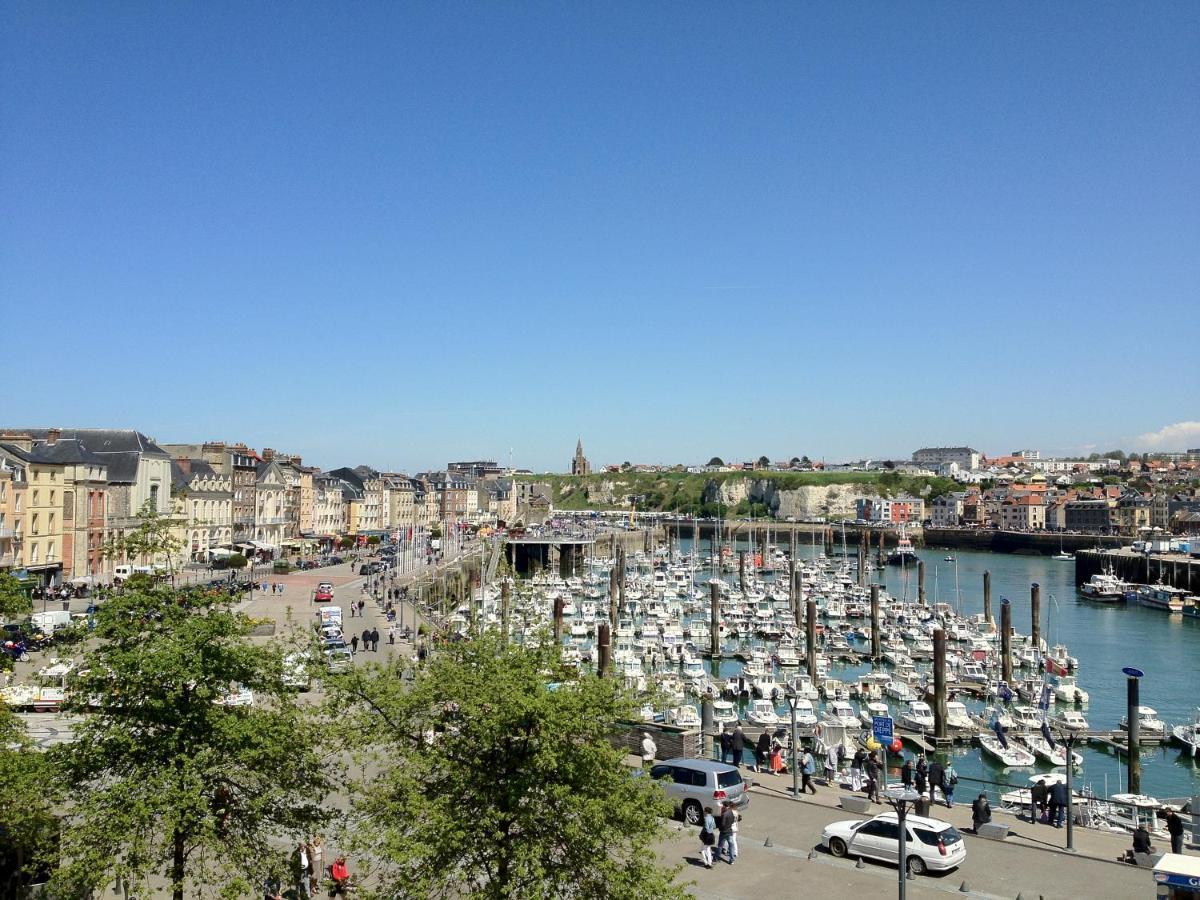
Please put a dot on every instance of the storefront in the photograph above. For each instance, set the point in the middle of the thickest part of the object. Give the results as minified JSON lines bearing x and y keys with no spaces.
{"x":1177,"y":877}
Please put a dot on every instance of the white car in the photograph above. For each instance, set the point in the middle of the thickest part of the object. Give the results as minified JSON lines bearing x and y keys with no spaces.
{"x":933,"y":845}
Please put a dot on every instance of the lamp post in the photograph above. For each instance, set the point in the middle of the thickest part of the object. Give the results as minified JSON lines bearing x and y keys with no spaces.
{"x":899,"y":797}
{"x":1069,"y":738}
{"x":793,"y":700}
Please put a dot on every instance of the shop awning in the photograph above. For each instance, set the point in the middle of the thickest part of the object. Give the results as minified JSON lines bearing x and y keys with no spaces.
{"x":219,"y":551}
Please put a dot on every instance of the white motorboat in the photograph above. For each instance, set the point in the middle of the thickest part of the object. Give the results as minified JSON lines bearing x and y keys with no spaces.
{"x":918,"y":716}
{"x":803,"y":687}
{"x":957,"y":717}
{"x":1012,"y":756}
{"x":724,"y":713}
{"x":1068,"y":691}
{"x":872,"y":710}
{"x":1189,"y":736}
{"x":762,"y":712}
{"x":1105,"y":587}
{"x":805,"y":714}
{"x":1056,"y":755}
{"x":842,"y":712}
{"x":683,"y":716}
{"x":1069,"y":720}
{"x":1149,"y":723}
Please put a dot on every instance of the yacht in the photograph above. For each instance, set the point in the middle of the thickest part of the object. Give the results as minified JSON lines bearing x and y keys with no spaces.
{"x":762,"y":712}
{"x":1189,"y":736}
{"x":918,"y":717}
{"x":842,"y":712}
{"x":1149,"y":724}
{"x":1013,"y":756}
{"x":1055,"y":756}
{"x":957,"y":717}
{"x":1106,"y":588}
{"x":1070,"y":720}
{"x":724,"y":713}
{"x":683,"y":716}
{"x":1068,"y":691}
{"x":872,"y":710}
{"x":805,"y":714}
{"x":1164,"y":597}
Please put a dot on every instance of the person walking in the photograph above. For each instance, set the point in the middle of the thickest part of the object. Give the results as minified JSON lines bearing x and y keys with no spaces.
{"x":1175,"y":830}
{"x":391,"y":634}
{"x":738,"y":744}
{"x":725,"y":832}
{"x":733,"y":835}
{"x":649,"y":750}
{"x":808,"y":766}
{"x":366,"y":639}
{"x":871,"y":768}
{"x":726,"y":742}
{"x":1038,"y":795}
{"x":906,"y":773}
{"x":708,"y":837}
{"x":831,"y":765}
{"x":981,"y":812}
{"x":374,"y":639}
{"x":951,"y":784}
{"x":920,"y":779}
{"x":937,"y":780}
{"x":340,"y":874}
{"x":316,"y":862}
{"x":354,"y":644}
{"x":300,"y":869}
{"x":1058,"y":802}
{"x":856,"y":769}
{"x":762,"y":751}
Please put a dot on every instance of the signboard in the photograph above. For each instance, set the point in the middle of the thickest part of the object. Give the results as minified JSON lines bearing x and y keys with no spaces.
{"x":881,"y":729}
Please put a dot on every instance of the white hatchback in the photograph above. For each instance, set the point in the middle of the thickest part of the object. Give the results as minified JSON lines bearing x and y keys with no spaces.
{"x":932,"y":845}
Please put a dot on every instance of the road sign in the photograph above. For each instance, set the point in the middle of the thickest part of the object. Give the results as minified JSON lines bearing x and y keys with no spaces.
{"x":881,"y":729}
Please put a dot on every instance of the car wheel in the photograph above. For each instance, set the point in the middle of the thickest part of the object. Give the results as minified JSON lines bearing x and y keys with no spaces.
{"x":837,"y":847}
{"x":916,"y":865}
{"x":692,"y":814}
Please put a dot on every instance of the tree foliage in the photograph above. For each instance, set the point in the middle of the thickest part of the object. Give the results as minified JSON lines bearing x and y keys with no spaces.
{"x":716,"y":461}
{"x":499,"y":782}
{"x":27,"y":823}
{"x":154,"y":540}
{"x":168,"y":780}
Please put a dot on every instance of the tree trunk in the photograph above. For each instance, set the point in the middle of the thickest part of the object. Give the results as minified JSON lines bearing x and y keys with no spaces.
{"x":177,"y":867}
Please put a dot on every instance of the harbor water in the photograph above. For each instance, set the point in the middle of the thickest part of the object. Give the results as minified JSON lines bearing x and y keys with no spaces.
{"x":1103,"y":637}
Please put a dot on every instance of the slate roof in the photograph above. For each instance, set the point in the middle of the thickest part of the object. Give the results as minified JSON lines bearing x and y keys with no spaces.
{"x":102,"y":440}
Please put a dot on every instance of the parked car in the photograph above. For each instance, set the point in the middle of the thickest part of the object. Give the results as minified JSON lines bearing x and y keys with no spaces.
{"x":295,"y":671}
{"x":338,"y":659}
{"x":696,"y":783}
{"x":322,"y":595}
{"x":932,"y":845}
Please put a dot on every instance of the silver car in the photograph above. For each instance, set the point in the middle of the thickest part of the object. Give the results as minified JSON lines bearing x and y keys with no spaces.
{"x":696,"y":783}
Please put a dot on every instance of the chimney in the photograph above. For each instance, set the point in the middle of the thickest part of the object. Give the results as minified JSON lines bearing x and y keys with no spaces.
{"x":52,"y":436}
{"x":268,"y":453}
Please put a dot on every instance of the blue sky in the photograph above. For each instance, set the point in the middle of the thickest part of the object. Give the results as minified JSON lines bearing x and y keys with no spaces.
{"x":402,"y":233}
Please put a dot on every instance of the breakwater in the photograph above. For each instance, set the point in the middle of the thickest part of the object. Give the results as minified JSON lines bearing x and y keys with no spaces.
{"x":1173,"y":569}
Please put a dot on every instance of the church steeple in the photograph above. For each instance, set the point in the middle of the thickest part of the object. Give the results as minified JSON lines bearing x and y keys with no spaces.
{"x":580,"y":464}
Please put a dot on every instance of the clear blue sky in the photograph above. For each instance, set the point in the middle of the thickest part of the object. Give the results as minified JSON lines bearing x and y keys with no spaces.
{"x":400,"y":233}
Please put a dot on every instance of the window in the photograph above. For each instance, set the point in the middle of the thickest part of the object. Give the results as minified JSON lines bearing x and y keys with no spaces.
{"x":34,"y":524}
{"x":49,"y":551}
{"x":52,"y":498}
{"x":35,"y":497}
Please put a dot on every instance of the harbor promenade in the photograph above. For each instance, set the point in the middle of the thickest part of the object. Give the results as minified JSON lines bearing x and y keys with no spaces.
{"x":778,"y":837}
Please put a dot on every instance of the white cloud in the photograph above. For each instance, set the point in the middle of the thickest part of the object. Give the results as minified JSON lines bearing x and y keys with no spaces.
{"x":1180,"y":436}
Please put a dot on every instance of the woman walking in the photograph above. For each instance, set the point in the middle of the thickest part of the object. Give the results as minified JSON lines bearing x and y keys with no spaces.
{"x":708,"y":837}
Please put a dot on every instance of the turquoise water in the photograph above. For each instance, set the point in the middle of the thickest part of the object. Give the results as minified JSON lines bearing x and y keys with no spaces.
{"x":1103,"y":637}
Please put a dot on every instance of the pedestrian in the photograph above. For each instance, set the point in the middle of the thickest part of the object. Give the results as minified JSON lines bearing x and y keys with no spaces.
{"x":316,"y":862}
{"x":1174,"y":829}
{"x":366,"y":640}
{"x":300,"y":870}
{"x":906,"y":773}
{"x":649,"y":750}
{"x":391,"y":635}
{"x":762,"y":751}
{"x":981,"y":812}
{"x":374,"y":639}
{"x":920,"y":779}
{"x":856,"y":769}
{"x":738,"y":744}
{"x":362,"y":604}
{"x":272,"y":889}
{"x":708,"y":837}
{"x":872,"y":786}
{"x":733,"y":834}
{"x":937,"y":780}
{"x":923,"y":769}
{"x":341,"y":877}
{"x":354,"y":644}
{"x":725,"y":834}
{"x":808,"y":766}
{"x":1038,"y":795}
{"x":951,"y":784}
{"x":871,"y":767}
{"x":726,"y":742}
{"x":831,"y":765}
{"x":1058,"y":802}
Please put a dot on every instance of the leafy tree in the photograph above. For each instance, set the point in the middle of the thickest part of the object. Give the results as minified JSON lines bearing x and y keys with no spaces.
{"x":795,"y":461}
{"x":14,"y":600}
{"x":805,"y":461}
{"x":28,"y":827}
{"x":165,"y":778}
{"x":764,"y":462}
{"x":237,"y":561}
{"x":716,"y":461}
{"x":499,"y":779}
{"x":373,"y":540}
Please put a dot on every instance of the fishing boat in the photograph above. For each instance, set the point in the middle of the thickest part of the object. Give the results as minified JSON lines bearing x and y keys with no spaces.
{"x":762,"y":712}
{"x":1105,"y":587}
{"x":872,"y":710}
{"x":1189,"y":736}
{"x":1012,"y":756}
{"x":1164,"y":597}
{"x":1149,"y":724}
{"x":841,"y":712}
{"x":683,"y":716}
{"x":904,"y":554}
{"x":1068,"y":691}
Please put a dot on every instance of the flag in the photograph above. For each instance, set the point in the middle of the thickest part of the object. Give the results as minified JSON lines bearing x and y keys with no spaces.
{"x":996,"y":727}
{"x":1055,"y":668}
{"x":1044,"y":700}
{"x":1047,"y":735}
{"x":1004,"y":692}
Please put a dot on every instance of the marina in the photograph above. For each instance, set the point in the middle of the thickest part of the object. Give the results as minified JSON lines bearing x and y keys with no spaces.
{"x":663,"y":646}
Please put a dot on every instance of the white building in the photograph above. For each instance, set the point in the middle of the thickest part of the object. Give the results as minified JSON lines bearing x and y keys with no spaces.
{"x":966,"y":458}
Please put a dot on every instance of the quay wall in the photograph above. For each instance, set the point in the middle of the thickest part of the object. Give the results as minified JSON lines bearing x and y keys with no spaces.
{"x":1173,"y":569}
{"x":991,"y":540}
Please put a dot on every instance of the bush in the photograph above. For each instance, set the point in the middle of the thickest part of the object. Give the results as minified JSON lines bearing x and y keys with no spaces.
{"x":281,"y":567}
{"x":237,"y":561}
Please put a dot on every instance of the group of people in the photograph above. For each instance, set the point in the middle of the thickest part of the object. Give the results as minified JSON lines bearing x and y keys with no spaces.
{"x":273,"y":586}
{"x":306,"y":867}
{"x":930,"y":779}
{"x":718,"y":835}
{"x":370,"y":640}
{"x":1048,"y":802}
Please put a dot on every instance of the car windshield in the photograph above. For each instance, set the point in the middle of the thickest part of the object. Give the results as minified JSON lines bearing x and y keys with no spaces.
{"x":729,"y":779}
{"x":947,"y":837}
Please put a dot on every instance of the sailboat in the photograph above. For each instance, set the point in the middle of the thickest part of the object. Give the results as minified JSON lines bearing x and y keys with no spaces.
{"x":1062,"y":555}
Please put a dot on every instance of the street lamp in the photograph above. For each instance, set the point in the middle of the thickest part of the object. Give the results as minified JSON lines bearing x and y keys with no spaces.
{"x":1069,"y":738}
{"x":899,"y":797}
{"x":793,"y":700}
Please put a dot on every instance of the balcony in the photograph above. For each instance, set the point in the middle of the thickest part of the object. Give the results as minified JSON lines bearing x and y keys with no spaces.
{"x":271,"y":520}
{"x":5,"y":533}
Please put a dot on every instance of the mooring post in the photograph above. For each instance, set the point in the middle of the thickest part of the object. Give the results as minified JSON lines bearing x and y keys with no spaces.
{"x":921,"y":581}
{"x":862,"y":561}
{"x":987,"y":597}
{"x":558,"y":621}
{"x":798,"y":581}
{"x":1006,"y":640}
{"x":603,"y":640}
{"x":621,"y":575}
{"x":875,"y":622}
{"x":714,"y":638}
{"x":614,"y":591}
{"x":810,"y":638}
{"x":1035,"y":612}
{"x":939,"y":683}
{"x":742,"y":571}
{"x":505,"y":592}
{"x":1132,"y":702}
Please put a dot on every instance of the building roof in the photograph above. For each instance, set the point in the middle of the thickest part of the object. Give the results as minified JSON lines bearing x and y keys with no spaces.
{"x":102,"y":440}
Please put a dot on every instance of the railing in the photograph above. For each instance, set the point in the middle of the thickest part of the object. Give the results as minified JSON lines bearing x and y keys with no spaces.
{"x":271,"y":520}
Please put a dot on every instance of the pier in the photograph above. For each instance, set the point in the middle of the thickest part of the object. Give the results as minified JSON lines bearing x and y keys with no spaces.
{"x":1174,"y":569}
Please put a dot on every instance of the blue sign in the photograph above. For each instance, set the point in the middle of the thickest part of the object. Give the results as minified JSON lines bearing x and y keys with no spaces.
{"x":881,"y":729}
{"x":1132,"y":672}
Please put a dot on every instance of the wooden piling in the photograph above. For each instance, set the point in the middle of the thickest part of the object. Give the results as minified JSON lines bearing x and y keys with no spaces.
{"x":810,"y":638}
{"x":987,"y":597}
{"x":875,"y":622}
{"x":1006,"y":641}
{"x":714,"y":639}
{"x":742,"y":571}
{"x":558,"y":621}
{"x":921,"y":581}
{"x":1035,"y":613}
{"x":939,"y":684}
{"x":614,"y":590}
{"x":505,"y":599}
{"x":603,"y":648}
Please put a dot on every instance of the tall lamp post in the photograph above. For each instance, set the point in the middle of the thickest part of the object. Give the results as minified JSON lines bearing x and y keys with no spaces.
{"x":899,"y":797}
{"x":1069,"y":738}
{"x":793,"y":700}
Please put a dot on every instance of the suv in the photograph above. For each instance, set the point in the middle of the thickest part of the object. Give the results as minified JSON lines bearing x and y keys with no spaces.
{"x":931,"y":844}
{"x":696,"y":783}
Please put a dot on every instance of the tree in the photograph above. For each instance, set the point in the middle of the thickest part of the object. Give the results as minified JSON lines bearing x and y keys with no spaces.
{"x":716,"y":461}
{"x":237,"y":561}
{"x":500,"y":780}
{"x":764,"y":462}
{"x":28,"y":827}
{"x":166,"y":777}
{"x":373,"y":540}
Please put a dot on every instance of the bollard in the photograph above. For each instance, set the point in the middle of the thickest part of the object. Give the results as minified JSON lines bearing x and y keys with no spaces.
{"x":1132,"y":702}
{"x":1005,"y":641}
{"x":742,"y":571}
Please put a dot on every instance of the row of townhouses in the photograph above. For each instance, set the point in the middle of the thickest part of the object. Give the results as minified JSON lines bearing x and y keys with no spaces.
{"x":66,"y":494}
